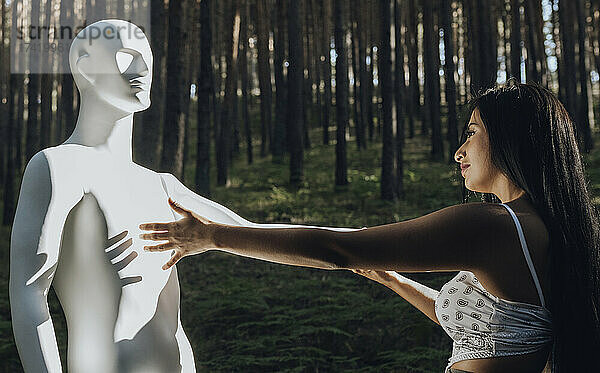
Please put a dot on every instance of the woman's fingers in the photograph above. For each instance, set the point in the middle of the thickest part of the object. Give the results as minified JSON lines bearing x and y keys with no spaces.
{"x":178,"y":209}
{"x":156,"y":236}
{"x":156,"y":226}
{"x":174,"y":259}
{"x":162,"y":247}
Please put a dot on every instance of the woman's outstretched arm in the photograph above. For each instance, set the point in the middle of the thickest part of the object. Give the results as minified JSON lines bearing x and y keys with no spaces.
{"x":460,"y":237}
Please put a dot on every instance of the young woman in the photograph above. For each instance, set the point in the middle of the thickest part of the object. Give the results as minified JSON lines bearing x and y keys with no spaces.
{"x":528,"y":287}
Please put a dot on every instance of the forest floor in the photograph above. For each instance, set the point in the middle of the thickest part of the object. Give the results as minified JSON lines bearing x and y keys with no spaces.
{"x":248,"y":315}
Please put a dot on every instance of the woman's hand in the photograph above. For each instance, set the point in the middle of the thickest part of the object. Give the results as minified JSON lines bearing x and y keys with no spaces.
{"x":383,"y":277}
{"x":188,"y":236}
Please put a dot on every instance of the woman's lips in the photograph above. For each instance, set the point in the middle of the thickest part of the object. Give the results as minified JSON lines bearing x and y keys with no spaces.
{"x":463,"y":168}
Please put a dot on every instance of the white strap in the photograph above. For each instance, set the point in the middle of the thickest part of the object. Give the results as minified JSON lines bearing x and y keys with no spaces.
{"x":526,"y":253}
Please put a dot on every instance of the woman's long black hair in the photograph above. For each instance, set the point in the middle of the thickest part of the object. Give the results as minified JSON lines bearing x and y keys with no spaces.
{"x":533,"y":142}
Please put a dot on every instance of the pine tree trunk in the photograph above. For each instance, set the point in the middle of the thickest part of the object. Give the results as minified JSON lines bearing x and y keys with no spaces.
{"x":147,"y":132}
{"x":295,"y":81}
{"x":432,"y":80}
{"x":174,"y":120}
{"x":399,"y":98}
{"x":317,"y":50}
{"x":560,"y":71}
{"x":326,"y":69}
{"x":363,"y":73}
{"x":4,"y":92}
{"x":66,"y":121}
{"x":279,"y":130}
{"x":46,"y":90}
{"x":567,"y":30}
{"x":370,"y":77}
{"x":243,"y":55}
{"x":413,"y":86}
{"x":536,"y":55}
{"x":228,"y":112}
{"x":387,"y":95}
{"x":264,"y":74}
{"x":450,"y":85}
{"x":190,"y":58}
{"x":584,"y":78}
{"x":341,"y":92}
{"x":307,"y":89}
{"x":15,"y":151}
{"x":205,"y":90}
{"x":32,"y":142}
{"x":515,"y":39}
{"x":358,"y":124}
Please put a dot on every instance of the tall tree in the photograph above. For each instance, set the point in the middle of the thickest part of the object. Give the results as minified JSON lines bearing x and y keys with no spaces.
{"x":358,"y":122}
{"x":205,"y":90}
{"x":515,"y":39}
{"x":174,"y":120}
{"x":190,"y":57}
{"x":295,"y":80}
{"x":279,"y":130}
{"x":15,"y":137}
{"x":243,"y":56}
{"x":374,"y":40}
{"x":566,"y":12}
{"x":14,"y":150}
{"x":399,"y":84}
{"x":341,"y":92}
{"x":228,"y":112}
{"x":595,"y":44}
{"x":413,"y":86}
{"x":307,"y":89}
{"x":264,"y":74}
{"x":483,"y":53}
{"x":66,"y":107}
{"x":449,"y":83}
{"x":147,"y":132}
{"x":362,"y":67}
{"x":46,"y":85}
{"x":326,"y":67}
{"x":583,"y":120}
{"x":33,"y":90}
{"x":387,"y":95}
{"x":399,"y":88}
{"x":318,"y":52}
{"x":432,"y":80}
{"x":536,"y":56}
{"x":4,"y":92}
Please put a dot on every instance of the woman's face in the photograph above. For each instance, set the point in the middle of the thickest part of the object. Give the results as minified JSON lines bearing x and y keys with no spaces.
{"x":480,"y":173}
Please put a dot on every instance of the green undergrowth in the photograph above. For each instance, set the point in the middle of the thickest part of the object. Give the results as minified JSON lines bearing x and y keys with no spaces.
{"x":246,"y":315}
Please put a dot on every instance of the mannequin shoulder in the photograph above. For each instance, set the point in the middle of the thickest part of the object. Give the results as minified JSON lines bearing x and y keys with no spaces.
{"x":53,"y":171}
{"x":66,"y":156}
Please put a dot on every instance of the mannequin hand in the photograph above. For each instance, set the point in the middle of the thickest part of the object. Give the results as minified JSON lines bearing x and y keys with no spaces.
{"x":188,"y":236}
{"x":383,"y":277}
{"x":113,"y":251}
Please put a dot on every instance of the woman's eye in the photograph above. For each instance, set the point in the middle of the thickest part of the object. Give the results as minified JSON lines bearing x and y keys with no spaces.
{"x":469,"y":133}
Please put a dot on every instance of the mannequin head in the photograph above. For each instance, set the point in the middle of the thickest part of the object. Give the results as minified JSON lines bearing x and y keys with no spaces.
{"x":111,"y":60}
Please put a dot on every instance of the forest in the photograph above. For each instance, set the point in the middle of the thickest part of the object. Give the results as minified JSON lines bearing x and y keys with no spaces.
{"x":321,"y":112}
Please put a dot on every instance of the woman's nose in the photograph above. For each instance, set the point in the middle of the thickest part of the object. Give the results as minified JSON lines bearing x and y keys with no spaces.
{"x":459,"y":154}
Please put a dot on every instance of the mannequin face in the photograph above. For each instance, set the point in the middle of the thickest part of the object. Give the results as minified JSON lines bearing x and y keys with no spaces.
{"x":116,"y":61}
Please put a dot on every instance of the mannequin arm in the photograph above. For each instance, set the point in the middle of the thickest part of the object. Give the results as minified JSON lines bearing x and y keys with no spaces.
{"x":35,"y":242}
{"x":177,"y":191}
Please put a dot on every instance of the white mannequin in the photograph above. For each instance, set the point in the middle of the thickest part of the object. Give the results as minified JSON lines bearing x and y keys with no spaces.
{"x":76,"y":227}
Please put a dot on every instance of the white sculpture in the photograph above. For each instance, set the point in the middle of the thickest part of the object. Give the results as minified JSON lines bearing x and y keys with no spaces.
{"x":76,"y":227}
